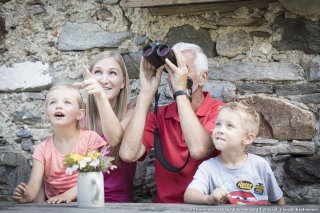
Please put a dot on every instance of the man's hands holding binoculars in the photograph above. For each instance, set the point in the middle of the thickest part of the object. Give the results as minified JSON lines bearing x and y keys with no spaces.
{"x":178,"y":74}
{"x":158,"y":57}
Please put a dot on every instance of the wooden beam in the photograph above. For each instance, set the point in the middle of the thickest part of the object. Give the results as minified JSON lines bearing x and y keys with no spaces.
{"x":155,"y":3}
{"x":195,"y":9}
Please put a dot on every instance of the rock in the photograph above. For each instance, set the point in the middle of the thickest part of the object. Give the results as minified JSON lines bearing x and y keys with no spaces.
{"x":304,"y":170}
{"x":297,"y":89}
{"x":111,"y":2}
{"x":188,"y":34}
{"x":295,"y":6}
{"x":261,"y":34}
{"x":3,"y":31}
{"x":311,"y":98}
{"x":306,"y":35}
{"x":36,"y":9}
{"x":230,"y":44}
{"x":82,"y":36}
{"x":281,"y":120}
{"x":24,"y":133}
{"x":314,"y":71}
{"x":3,"y":142}
{"x":26,"y":144}
{"x":25,"y":76}
{"x":104,"y":14}
{"x":256,"y":71}
{"x":140,"y":40}
{"x":284,"y":148}
{"x":265,"y":141}
{"x":14,"y":169}
{"x":251,"y":21}
{"x":301,"y":194}
{"x":221,"y":90}
{"x":132,"y":61}
{"x":25,"y":117}
{"x":250,"y":87}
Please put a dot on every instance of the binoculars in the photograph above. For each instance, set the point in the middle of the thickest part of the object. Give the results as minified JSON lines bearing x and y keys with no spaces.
{"x":156,"y":53}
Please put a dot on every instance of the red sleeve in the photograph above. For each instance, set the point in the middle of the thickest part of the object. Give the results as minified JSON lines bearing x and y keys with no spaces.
{"x":148,"y":140}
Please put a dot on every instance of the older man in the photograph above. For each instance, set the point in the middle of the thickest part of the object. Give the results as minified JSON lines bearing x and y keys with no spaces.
{"x":184,"y":126}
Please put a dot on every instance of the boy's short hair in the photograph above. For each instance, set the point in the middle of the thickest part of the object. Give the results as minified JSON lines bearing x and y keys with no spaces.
{"x":247,"y":114}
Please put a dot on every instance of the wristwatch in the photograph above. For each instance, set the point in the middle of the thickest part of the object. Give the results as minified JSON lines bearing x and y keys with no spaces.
{"x":186,"y":92}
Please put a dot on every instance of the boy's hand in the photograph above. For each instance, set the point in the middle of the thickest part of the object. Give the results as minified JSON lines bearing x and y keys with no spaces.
{"x":20,"y":193}
{"x":59,"y":199}
{"x":218,"y":196}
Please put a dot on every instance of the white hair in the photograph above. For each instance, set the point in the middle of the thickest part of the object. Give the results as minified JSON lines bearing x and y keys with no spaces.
{"x":201,"y":60}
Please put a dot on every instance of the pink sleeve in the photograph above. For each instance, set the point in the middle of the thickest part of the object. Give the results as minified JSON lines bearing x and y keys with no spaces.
{"x":39,"y":152}
{"x":95,"y":142}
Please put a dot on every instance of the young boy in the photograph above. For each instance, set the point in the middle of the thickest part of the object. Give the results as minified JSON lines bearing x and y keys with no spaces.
{"x":234,"y":176}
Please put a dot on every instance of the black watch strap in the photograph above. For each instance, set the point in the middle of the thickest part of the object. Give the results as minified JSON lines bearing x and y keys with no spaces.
{"x":186,"y":92}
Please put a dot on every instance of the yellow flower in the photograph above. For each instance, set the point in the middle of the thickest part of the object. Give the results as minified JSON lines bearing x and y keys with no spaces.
{"x":94,"y":154}
{"x":77,"y":157}
{"x":94,"y":161}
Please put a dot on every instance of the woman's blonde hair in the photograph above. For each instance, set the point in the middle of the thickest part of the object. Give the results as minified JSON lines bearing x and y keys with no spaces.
{"x":122,"y":100}
{"x":66,"y":85}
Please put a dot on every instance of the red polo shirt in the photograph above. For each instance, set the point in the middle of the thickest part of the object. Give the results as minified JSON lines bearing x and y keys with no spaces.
{"x":172,"y":185}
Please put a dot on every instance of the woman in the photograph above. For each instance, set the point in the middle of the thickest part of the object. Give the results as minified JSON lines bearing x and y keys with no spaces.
{"x":108,"y":113}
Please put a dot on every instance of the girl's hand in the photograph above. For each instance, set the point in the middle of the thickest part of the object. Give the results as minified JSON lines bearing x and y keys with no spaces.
{"x":90,"y":84}
{"x":218,"y":196}
{"x":59,"y":199}
{"x":20,"y":193}
{"x":149,"y":77}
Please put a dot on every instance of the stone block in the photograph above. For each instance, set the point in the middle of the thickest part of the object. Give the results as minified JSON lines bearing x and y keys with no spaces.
{"x":14,"y":168}
{"x":231,"y":44}
{"x":221,"y":90}
{"x":82,"y":36}
{"x":188,"y":34}
{"x":297,"y":89}
{"x":281,"y":120}
{"x":305,"y":169}
{"x":284,"y":148}
{"x":25,"y":76}
{"x":298,"y":34}
{"x":256,"y":71}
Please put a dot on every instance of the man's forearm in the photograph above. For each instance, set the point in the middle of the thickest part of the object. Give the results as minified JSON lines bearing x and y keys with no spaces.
{"x":197,"y":138}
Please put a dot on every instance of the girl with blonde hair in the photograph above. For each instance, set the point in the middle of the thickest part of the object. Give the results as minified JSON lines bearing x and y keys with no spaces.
{"x":48,"y":180}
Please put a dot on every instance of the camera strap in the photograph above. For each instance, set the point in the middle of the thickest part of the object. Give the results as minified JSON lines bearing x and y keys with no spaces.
{"x":158,"y":145}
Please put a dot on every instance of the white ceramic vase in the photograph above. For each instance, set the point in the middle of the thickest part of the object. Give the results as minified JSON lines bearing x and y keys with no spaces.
{"x":90,"y":190}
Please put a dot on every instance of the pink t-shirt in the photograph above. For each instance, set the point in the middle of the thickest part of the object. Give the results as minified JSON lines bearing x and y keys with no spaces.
{"x":55,"y":178}
{"x":118,"y":185}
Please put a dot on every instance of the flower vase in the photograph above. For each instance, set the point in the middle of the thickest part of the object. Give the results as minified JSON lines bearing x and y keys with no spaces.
{"x":90,"y":190}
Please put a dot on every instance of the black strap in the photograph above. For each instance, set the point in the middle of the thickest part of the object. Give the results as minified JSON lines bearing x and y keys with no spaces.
{"x":158,"y":145}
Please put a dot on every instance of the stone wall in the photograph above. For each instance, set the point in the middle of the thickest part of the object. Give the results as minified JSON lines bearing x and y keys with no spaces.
{"x":268,"y":58}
